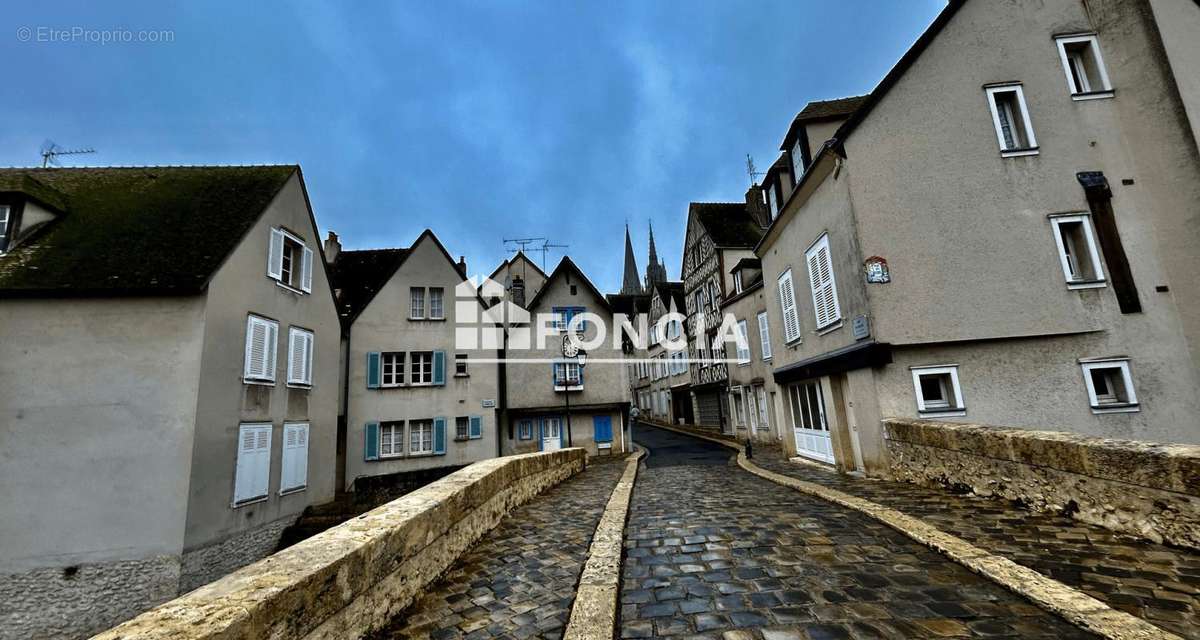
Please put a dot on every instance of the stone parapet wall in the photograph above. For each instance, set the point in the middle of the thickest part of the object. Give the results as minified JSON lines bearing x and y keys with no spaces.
{"x":207,"y":563}
{"x":351,"y":579}
{"x":1137,"y":488}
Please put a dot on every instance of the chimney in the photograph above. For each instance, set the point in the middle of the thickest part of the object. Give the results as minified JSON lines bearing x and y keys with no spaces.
{"x":332,"y":247}
{"x":756,"y":207}
{"x":462,"y":265}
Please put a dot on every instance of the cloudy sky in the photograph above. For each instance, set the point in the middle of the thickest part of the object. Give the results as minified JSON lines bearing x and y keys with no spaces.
{"x":482,"y":121}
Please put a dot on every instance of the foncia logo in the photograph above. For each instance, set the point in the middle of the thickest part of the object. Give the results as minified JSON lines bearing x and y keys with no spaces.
{"x":498,"y":323}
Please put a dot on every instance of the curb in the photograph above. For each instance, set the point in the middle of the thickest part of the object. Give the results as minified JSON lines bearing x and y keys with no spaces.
{"x":594,"y":612}
{"x":1073,"y":605}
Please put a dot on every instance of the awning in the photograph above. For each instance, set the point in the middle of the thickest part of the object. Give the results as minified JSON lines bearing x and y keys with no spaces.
{"x":855,"y":356}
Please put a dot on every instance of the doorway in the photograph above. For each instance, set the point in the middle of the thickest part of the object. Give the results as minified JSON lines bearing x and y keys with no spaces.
{"x":809,"y":423}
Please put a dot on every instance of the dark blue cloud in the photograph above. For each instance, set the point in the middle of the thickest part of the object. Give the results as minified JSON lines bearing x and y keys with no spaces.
{"x":479,"y":120}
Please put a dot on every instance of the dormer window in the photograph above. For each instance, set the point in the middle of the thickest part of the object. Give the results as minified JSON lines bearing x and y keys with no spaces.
{"x":290,"y":261}
{"x":773,"y":201}
{"x":6,"y":218}
{"x":737,"y":281}
{"x":797,"y":160}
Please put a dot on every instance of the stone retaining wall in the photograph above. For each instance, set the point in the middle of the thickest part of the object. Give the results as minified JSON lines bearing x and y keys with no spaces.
{"x":205,"y":564}
{"x":1137,"y":488}
{"x":352,"y":579}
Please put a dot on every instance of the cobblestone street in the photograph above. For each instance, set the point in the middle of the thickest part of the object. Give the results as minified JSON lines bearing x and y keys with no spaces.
{"x":519,"y":580}
{"x":712,"y":551}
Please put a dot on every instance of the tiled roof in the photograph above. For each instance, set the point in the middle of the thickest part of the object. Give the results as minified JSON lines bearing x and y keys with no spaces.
{"x":728,"y":223}
{"x":821,"y":110}
{"x":358,"y":275}
{"x":134,"y":230}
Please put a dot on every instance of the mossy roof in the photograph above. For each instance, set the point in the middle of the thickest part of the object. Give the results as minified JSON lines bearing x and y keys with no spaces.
{"x":359,"y":275}
{"x":134,"y":230}
{"x":729,"y":224}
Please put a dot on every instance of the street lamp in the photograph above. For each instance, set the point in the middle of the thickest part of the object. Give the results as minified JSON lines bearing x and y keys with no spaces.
{"x":572,"y":350}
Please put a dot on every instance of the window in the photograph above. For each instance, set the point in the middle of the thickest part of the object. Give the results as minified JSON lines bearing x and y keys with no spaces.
{"x":293,"y":473}
{"x":289,"y":262}
{"x":436,"y":308}
{"x":391,"y":439}
{"x":1087,"y":78}
{"x":462,"y":428}
{"x":422,"y":367}
{"x":739,"y":409}
{"x":416,"y":305}
{"x":261,"y":336}
{"x":763,"y":422}
{"x":300,"y":357}
{"x":743,"y":352}
{"x":5,"y":219}
{"x":1011,"y":119}
{"x":822,"y":284}
{"x":460,"y":364}
{"x":737,"y":281}
{"x":714,"y":294}
{"x":1109,"y":385}
{"x":420,"y":437}
{"x":787,"y":304}
{"x":253,"y":463}
{"x":797,"y":160}
{"x":564,"y":315}
{"x":1077,"y":250}
{"x":567,"y":374}
{"x":773,"y":201}
{"x":699,"y":300}
{"x":393,"y":368}
{"x":808,"y":406}
{"x":525,"y":430}
{"x":764,"y":335}
{"x":751,"y":407}
{"x":938,"y":392}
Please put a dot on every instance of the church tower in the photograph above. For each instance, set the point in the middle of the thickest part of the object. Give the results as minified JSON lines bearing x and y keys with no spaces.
{"x":630,"y":285}
{"x":656,"y":271}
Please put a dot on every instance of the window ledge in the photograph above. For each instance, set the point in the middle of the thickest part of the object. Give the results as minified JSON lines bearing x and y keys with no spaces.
{"x":562,"y":388}
{"x":830,"y":328}
{"x":1086,"y":284}
{"x":250,"y":501}
{"x":1093,"y":95}
{"x":424,"y":455}
{"x":744,"y":364}
{"x":1017,"y":153}
{"x":260,"y":383}
{"x":943,"y":413}
{"x":300,"y":385}
{"x":1116,"y":407}
{"x":288,"y":492}
{"x":460,"y":439}
{"x":288,"y":287}
{"x":462,"y":375}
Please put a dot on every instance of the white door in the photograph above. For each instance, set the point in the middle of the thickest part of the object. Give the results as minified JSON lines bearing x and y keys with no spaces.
{"x":551,"y":434}
{"x":808,"y":421}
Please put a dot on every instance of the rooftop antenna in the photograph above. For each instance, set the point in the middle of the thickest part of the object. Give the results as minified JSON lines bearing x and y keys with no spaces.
{"x":754,"y":173}
{"x":51,"y":151}
{"x":522,"y":243}
{"x":546,"y":246}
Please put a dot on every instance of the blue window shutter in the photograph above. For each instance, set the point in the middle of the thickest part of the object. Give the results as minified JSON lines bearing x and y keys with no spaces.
{"x":476,"y":427}
{"x":541,"y":432}
{"x":562,"y":432}
{"x":602,"y":428}
{"x":581,"y":376}
{"x":554,"y":373}
{"x":439,"y":436}
{"x":371,"y":441}
{"x":373,"y":370}
{"x":439,"y":367}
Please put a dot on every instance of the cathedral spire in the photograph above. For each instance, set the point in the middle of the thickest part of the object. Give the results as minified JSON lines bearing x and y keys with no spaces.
{"x":656,"y":271}
{"x":630,"y":283}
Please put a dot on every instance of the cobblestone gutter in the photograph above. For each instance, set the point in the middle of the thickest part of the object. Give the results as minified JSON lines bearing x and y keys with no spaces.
{"x":1139,"y":488}
{"x":1073,"y":605}
{"x":353,"y":578}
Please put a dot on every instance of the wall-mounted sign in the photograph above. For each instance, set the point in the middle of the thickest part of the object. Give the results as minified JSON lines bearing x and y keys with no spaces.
{"x":860,"y":327}
{"x":877,"y":270}
{"x":489,"y":404}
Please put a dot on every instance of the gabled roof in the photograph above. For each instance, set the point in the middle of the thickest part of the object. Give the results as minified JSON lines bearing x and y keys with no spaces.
{"x":821,"y":110}
{"x":729,"y":224}
{"x":135,"y":230}
{"x":671,"y":291}
{"x":513,"y":260}
{"x":359,"y":275}
{"x":565,"y":266}
{"x":746,"y":263}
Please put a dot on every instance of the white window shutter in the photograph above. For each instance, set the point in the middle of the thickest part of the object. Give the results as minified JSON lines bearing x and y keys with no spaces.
{"x":275,"y":255}
{"x":272,"y":347}
{"x":821,"y":283}
{"x":787,"y":302}
{"x":308,"y":357}
{"x":306,"y":267}
{"x":260,"y":349}
{"x":764,"y":334}
{"x":253,"y":462}
{"x":262,"y":469}
{"x":301,"y":473}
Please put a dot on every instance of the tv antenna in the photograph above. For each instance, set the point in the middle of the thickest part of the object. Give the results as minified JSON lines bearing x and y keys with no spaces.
{"x":522,"y":243}
{"x":546,"y":246}
{"x":754,"y":173}
{"x":51,"y":152}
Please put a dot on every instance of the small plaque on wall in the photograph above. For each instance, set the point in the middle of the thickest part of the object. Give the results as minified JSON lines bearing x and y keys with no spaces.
{"x":877,"y":270}
{"x":860,"y":327}
{"x":489,"y":404}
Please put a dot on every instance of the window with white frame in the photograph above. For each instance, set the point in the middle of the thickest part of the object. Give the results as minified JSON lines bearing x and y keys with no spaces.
{"x":787,"y":304}
{"x":5,"y":219}
{"x":293,"y":472}
{"x":261,"y":342}
{"x":797,"y":160}
{"x":392,"y":368}
{"x":420,"y":437}
{"x":391,"y":439}
{"x":300,"y":357}
{"x":764,"y":335}
{"x":937,"y":390}
{"x":743,"y":343}
{"x":1010,"y":116}
{"x":1087,"y":78}
{"x":437,"y":309}
{"x":1109,"y":385}
{"x":253,"y":474}
{"x":751,"y":407}
{"x":822,"y":283}
{"x":1077,"y":252}
{"x":737,"y":281}
{"x":566,"y":374}
{"x":460,"y":364}
{"x":289,"y":261}
{"x":462,"y":428}
{"x":739,"y":408}
{"x":422,"y":368}
{"x":773,"y":201}
{"x":763,"y":421}
{"x":525,"y":430}
{"x":416,"y":305}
